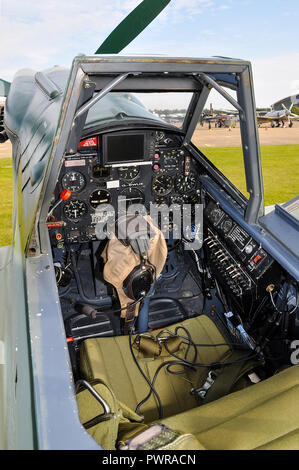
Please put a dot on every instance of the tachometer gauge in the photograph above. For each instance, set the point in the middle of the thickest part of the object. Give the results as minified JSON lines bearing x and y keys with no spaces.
{"x":99,"y":196}
{"x":163,"y":184}
{"x":132,"y":196}
{"x":184,"y":184}
{"x":74,"y":181}
{"x":128,"y":172}
{"x":75,"y":209}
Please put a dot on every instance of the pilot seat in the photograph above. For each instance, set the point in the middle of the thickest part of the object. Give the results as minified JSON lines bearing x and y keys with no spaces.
{"x":185,"y":386}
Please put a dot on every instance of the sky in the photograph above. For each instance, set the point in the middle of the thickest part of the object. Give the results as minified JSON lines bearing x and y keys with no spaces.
{"x":38,"y":35}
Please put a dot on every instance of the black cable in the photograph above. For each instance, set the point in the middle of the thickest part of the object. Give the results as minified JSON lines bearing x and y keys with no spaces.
{"x":288,"y":312}
{"x":153,"y":390}
{"x":180,"y":361}
{"x":145,"y":378}
{"x":212,"y":365}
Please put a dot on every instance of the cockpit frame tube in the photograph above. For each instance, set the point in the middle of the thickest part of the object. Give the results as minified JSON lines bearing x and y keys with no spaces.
{"x":88,"y":68}
{"x":251,"y":148}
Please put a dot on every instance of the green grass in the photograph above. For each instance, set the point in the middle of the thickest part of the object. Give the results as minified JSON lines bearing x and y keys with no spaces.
{"x":5,"y":201}
{"x":280,"y":172}
{"x":280,"y":165}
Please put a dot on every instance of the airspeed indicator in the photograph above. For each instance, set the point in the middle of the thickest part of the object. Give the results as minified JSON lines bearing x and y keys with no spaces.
{"x":74,"y":181}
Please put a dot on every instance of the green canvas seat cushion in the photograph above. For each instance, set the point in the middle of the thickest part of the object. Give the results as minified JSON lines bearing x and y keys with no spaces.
{"x":110,"y":359}
{"x":263,"y":416}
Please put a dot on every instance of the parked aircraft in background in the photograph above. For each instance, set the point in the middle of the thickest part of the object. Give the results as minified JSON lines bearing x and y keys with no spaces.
{"x":278,"y":118}
{"x":221,"y":118}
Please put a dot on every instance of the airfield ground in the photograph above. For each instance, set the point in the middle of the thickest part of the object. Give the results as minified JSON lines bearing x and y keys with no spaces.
{"x":224,"y":137}
{"x":280,"y":162}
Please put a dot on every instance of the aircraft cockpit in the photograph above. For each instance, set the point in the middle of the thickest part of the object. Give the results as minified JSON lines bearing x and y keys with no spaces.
{"x":164,"y":277}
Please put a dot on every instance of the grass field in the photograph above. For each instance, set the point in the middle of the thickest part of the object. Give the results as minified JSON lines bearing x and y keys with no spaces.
{"x":5,"y":201}
{"x":280,"y":165}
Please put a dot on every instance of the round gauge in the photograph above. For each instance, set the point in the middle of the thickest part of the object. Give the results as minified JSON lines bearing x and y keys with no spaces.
{"x":177,"y":200}
{"x":128,"y":172}
{"x":160,"y":135}
{"x":227,"y":225}
{"x":99,"y":196}
{"x":171,"y":162}
{"x":75,"y":209}
{"x":74,"y":181}
{"x":215,"y":215}
{"x":168,"y":141}
{"x":184,"y":184}
{"x":162,"y":184}
{"x":132,"y":196}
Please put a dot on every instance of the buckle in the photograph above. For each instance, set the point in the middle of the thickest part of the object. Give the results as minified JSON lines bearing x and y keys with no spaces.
{"x":202,"y":391}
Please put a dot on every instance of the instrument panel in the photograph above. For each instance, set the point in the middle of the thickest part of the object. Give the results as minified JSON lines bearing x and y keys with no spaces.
{"x":237,"y":261}
{"x":169,"y":176}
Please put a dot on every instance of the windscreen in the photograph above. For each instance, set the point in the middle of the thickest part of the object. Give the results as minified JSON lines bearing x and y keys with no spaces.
{"x":161,"y":107}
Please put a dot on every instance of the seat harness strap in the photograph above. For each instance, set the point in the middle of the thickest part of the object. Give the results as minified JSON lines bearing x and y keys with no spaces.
{"x":220,"y":382}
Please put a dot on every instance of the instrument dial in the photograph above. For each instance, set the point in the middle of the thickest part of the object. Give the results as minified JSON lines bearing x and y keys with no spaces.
{"x":160,"y":135}
{"x":74,"y":181}
{"x":184,"y":184}
{"x":215,"y":215}
{"x":171,"y":162}
{"x":129,"y":172}
{"x":75,"y":209}
{"x":99,"y":196}
{"x":132,"y":196}
{"x":227,"y":225}
{"x":163,"y":184}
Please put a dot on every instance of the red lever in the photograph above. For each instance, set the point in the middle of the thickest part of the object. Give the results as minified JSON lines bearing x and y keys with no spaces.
{"x":65,"y":194}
